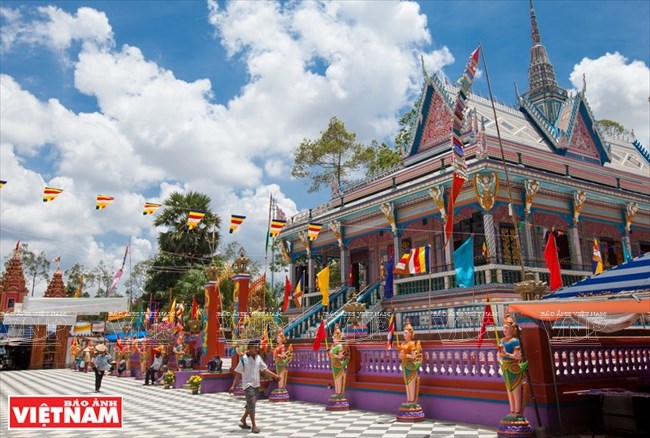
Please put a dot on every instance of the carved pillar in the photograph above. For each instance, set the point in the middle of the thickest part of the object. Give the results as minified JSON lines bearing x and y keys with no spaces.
{"x":490,"y":235}
{"x":579,"y":199}
{"x":527,"y":240}
{"x":486,"y":187}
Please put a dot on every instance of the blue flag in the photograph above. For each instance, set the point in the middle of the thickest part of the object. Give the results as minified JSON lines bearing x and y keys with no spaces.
{"x":388,"y":286}
{"x":626,"y":252}
{"x":464,"y":263}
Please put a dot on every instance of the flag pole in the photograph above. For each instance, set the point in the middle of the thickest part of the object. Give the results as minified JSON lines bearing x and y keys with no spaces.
{"x":266,"y":252}
{"x":430,"y":283}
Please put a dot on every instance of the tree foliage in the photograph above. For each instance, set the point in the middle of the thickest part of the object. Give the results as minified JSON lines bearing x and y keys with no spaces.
{"x":382,"y":158}
{"x":332,"y":157}
{"x":611,"y":127}
{"x":36,"y":267}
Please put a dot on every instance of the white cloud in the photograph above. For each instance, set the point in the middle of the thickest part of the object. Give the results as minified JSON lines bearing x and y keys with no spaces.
{"x":617,"y":89}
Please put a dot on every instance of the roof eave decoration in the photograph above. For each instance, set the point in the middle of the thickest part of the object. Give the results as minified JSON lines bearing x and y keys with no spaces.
{"x":548,"y":131}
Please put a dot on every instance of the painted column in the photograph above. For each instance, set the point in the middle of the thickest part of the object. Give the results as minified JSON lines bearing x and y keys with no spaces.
{"x":311,"y":275}
{"x":527,"y":241}
{"x":397,"y":253}
{"x":490,"y":235}
{"x":213,"y":310}
{"x":576,"y":253}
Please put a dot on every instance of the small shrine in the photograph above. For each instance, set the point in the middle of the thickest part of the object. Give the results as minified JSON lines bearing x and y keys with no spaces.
{"x":13,"y":287}
{"x":56,"y":288}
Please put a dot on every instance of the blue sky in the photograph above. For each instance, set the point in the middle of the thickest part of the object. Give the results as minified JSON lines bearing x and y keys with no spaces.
{"x":139,"y":99}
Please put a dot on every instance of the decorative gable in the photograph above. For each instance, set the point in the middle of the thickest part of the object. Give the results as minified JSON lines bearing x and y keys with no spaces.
{"x":581,"y":142}
{"x":438,"y":125}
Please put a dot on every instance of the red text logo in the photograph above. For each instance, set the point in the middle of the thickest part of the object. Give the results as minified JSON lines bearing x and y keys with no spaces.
{"x":65,"y":412}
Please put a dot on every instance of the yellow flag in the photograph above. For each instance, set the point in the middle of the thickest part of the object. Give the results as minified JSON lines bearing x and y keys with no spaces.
{"x":172,"y":312}
{"x":324,"y":285}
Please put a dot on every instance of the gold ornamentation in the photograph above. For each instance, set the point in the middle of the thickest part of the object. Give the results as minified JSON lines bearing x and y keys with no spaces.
{"x":304,"y":238}
{"x":437,"y":193}
{"x":630,"y":212}
{"x":335,"y":226}
{"x":389,"y":211}
{"x":579,"y":199}
{"x":284,"y":248}
{"x":486,"y":186}
{"x":241,"y":262}
{"x":532,"y":187}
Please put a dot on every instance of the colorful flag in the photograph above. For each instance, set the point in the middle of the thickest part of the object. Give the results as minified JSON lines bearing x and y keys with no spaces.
{"x":391,"y":331}
{"x":419,"y":260}
{"x":597,"y":260}
{"x":313,"y":230}
{"x":402,"y":266}
{"x":56,"y":259}
{"x":276,"y":226}
{"x":321,"y":335}
{"x":457,"y":153}
{"x":488,"y":320}
{"x":103,"y":201}
{"x":299,"y":291}
{"x":388,"y":285}
{"x":172,"y":311}
{"x":553,"y":263}
{"x":324,"y":285}
{"x":50,"y":193}
{"x":2,"y":183}
{"x":235,"y":222}
{"x":150,"y":208}
{"x":193,"y":218}
{"x":464,"y":263}
{"x":287,"y":294}
{"x":195,"y":308}
{"x":116,"y":279}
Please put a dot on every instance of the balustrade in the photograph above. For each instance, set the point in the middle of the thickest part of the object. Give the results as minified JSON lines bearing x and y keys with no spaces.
{"x":601,"y":361}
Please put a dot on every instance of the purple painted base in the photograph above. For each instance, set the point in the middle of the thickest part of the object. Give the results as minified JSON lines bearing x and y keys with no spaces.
{"x":410,"y":413}
{"x":279,"y":395}
{"x":514,"y":427}
{"x":337,"y":403}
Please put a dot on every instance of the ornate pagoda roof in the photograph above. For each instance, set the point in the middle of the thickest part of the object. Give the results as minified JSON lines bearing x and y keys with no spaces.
{"x":13,"y":279}
{"x":56,"y":288}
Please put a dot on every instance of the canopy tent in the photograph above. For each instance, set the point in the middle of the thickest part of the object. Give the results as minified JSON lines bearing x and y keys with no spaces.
{"x":607,"y":315}
{"x":627,"y":277}
{"x":113,"y":337}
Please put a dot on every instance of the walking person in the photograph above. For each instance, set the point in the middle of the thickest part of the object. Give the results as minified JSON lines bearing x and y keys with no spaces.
{"x":153,"y":369}
{"x":248,"y":371}
{"x":100,"y":364}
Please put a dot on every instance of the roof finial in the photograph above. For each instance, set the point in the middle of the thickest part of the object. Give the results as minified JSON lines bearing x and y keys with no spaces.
{"x":533,"y":25}
{"x":584,"y":84}
{"x":424,"y":70}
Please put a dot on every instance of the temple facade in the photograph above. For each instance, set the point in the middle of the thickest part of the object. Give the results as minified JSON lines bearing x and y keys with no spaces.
{"x":541,"y":166}
{"x":12,"y":284}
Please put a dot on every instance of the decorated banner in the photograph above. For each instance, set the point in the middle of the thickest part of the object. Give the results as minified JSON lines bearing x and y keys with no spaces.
{"x":103,"y":201}
{"x":276,"y":226}
{"x":150,"y":208}
{"x":235,"y":221}
{"x":313,"y":230}
{"x":457,"y":153}
{"x":419,"y":260}
{"x":2,"y":183}
{"x":193,"y":218}
{"x":50,"y":193}
{"x":597,"y":260}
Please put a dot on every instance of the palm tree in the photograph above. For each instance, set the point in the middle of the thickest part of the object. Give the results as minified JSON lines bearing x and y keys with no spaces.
{"x":179,"y":239}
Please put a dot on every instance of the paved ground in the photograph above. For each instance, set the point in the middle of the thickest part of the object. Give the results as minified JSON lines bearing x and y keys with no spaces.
{"x":156,"y":412}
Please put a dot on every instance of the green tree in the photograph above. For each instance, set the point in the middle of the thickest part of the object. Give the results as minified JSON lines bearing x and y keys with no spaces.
{"x":383,"y":158}
{"x":406,"y":124}
{"x":102,"y":277}
{"x":35,"y":266}
{"x":135,"y":284}
{"x":611,"y":127}
{"x":332,"y":157}
{"x":74,"y":276}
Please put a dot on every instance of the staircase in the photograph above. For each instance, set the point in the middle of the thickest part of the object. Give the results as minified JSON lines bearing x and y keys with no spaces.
{"x":370,"y":296}
{"x":300,"y":327}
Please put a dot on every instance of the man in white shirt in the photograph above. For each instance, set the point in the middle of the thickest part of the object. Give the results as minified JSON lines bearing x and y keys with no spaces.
{"x":153,"y":369}
{"x":248,"y":371}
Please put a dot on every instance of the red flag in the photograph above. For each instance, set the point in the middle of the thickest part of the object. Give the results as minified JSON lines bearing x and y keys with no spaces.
{"x":391,"y":331}
{"x":194,"y":307}
{"x":553,"y":263}
{"x":488,"y":319}
{"x":456,"y":186}
{"x":287,"y":294}
{"x":321,"y":335}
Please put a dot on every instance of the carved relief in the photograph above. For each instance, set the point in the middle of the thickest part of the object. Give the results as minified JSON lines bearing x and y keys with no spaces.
{"x":438,"y":125}
{"x":304,"y":238}
{"x":286,"y":252}
{"x":581,"y":141}
{"x":630,"y":212}
{"x":388,"y":210}
{"x":438,"y":195}
{"x":486,"y":186}
{"x":579,"y":199}
{"x":335,"y":226}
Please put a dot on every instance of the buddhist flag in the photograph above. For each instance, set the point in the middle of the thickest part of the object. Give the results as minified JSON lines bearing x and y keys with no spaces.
{"x":235,"y":222}
{"x":457,"y":153}
{"x":276,"y":226}
{"x":50,"y":193}
{"x":2,"y":183}
{"x":388,"y":285}
{"x":313,"y":230}
{"x":402,"y":266}
{"x":321,"y":335}
{"x":193,"y":218}
{"x":287,"y":294}
{"x":299,"y":291}
{"x":553,"y":263}
{"x":324,"y":285}
{"x":419,"y":260}
{"x":103,"y":201}
{"x":391,"y":331}
{"x":488,"y":320}
{"x":464,"y":263}
{"x":150,"y":208}
{"x":596,"y":260}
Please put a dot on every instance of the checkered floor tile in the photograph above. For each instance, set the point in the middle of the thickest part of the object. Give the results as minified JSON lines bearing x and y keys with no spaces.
{"x":155,"y":412}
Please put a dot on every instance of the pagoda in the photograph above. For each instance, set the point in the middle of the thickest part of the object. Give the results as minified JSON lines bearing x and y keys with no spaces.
{"x":12,"y":285}
{"x":56,"y":288}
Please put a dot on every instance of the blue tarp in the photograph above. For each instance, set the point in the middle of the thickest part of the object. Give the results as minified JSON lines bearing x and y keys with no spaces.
{"x":626,"y":277}
{"x":112,"y":337}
